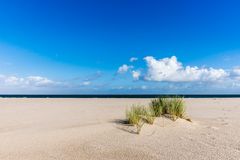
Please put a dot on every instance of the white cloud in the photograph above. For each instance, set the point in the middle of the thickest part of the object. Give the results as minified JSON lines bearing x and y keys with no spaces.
{"x":236,"y":71}
{"x":133,"y":59}
{"x":12,"y":80}
{"x":124,"y":68}
{"x":39,"y":81}
{"x":31,"y":81}
{"x":169,"y":69}
{"x":86,"y":83}
{"x":136,"y":75}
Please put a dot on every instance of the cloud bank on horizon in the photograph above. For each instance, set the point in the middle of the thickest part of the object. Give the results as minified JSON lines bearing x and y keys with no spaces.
{"x":30,"y":81}
{"x":171,"y":71}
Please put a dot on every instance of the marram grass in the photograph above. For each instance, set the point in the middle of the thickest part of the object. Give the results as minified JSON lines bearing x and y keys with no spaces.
{"x":138,"y":115}
{"x":177,"y":107}
{"x":158,"y":106}
{"x":172,"y":106}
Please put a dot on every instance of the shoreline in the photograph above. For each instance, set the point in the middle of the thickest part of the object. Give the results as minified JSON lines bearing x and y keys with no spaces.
{"x":119,"y":96}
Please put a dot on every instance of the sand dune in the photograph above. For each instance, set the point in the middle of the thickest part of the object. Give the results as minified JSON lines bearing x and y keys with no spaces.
{"x":74,"y":129}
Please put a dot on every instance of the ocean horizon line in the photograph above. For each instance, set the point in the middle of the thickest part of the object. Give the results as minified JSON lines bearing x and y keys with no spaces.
{"x":118,"y":95}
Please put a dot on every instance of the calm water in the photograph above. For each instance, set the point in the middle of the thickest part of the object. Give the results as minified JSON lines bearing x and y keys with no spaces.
{"x":124,"y":96}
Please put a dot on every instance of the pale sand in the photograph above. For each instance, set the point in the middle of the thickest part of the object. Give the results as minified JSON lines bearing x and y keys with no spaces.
{"x":85,"y":129}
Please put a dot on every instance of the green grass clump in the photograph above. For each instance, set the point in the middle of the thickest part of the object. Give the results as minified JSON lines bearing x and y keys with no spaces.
{"x":138,"y":115}
{"x":176,"y":107}
{"x":133,"y":115}
{"x":149,"y":116}
{"x":172,"y":106}
{"x":158,"y":106}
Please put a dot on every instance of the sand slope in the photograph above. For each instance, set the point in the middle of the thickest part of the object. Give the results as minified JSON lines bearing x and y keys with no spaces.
{"x":79,"y":129}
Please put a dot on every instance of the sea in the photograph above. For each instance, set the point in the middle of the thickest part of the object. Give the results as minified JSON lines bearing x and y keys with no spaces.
{"x":120,"y":96}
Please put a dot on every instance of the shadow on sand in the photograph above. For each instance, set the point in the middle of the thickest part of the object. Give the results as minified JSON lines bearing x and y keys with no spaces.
{"x":124,"y":126}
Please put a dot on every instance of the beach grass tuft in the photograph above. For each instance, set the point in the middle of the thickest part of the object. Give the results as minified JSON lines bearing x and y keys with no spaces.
{"x":168,"y":106}
{"x":172,"y":108}
{"x":138,"y":115}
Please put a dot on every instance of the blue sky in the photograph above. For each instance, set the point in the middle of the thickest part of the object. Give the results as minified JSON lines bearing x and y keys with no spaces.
{"x":85,"y":47}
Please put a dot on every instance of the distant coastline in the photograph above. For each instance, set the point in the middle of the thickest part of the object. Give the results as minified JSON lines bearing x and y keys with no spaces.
{"x":119,"y":95}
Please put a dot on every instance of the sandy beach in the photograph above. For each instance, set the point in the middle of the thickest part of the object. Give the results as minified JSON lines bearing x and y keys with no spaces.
{"x":85,"y":129}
